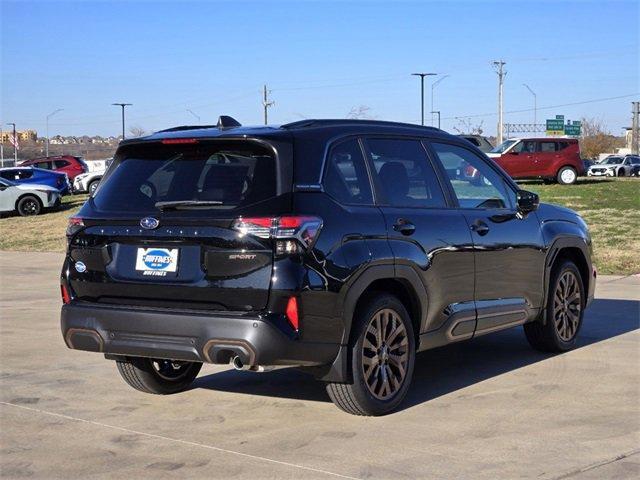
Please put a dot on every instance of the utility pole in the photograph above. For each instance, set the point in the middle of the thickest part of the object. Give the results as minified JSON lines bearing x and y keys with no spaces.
{"x":422,"y":75}
{"x":15,"y":144}
{"x":122,"y":105}
{"x":535,"y":103}
{"x":635,"y":132}
{"x":194,"y":114}
{"x":266,"y":103}
{"x":438,"y":112}
{"x":499,"y":68}
{"x":49,"y":116}
{"x":433,"y":86}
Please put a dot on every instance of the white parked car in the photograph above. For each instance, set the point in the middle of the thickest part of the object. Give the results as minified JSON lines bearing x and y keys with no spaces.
{"x":613,"y":166}
{"x":87,"y":182}
{"x":27,"y":199}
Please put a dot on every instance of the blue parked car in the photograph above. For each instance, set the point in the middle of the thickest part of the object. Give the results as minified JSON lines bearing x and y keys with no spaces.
{"x":39,"y":176}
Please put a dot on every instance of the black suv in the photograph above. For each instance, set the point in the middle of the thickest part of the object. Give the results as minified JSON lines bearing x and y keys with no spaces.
{"x":339,"y":246}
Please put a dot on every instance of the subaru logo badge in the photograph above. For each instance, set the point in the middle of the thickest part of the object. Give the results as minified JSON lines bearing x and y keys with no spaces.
{"x":80,"y":267}
{"x":149,"y":223}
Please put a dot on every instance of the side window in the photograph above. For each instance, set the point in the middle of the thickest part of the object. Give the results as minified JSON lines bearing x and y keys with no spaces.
{"x":475,"y":183}
{"x":547,"y":147}
{"x":23,"y":174}
{"x":405,"y":173}
{"x":60,"y":163}
{"x":562,"y":145}
{"x":345,"y":177}
{"x":45,"y":165}
{"x":525,"y":146}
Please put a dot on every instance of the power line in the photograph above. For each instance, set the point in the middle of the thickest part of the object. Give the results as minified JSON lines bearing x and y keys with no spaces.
{"x":549,"y":107}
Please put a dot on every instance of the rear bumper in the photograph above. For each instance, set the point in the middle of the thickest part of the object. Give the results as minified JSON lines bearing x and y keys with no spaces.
{"x":199,"y":337}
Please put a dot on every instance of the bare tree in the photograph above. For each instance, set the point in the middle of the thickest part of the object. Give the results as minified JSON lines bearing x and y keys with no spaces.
{"x":137,"y":131}
{"x":361,"y":112}
{"x":465,"y":126}
{"x":596,"y":139}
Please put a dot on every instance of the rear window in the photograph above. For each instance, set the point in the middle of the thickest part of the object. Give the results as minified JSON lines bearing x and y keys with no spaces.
{"x":227,"y":176}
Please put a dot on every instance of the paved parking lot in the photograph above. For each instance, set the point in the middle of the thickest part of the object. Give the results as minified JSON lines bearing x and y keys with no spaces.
{"x":490,"y":408}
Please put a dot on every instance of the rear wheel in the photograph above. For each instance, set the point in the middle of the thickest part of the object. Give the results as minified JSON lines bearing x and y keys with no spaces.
{"x":567,"y":176}
{"x":158,"y":376}
{"x":564,"y":311}
{"x":29,"y":205}
{"x":382,"y":359}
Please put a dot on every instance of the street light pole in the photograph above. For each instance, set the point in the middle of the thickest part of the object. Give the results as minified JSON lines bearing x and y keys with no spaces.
{"x":122,"y":105}
{"x":422,"y":75}
{"x":438,"y":112}
{"x":433,"y":86}
{"x":49,"y":116}
{"x":15,"y":144}
{"x":195,"y":115}
{"x":535,"y":104}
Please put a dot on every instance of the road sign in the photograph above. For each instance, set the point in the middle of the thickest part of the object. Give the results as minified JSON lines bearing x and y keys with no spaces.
{"x":557,"y":127}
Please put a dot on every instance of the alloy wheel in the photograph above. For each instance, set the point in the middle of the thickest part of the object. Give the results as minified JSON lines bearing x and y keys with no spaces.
{"x":30,"y":207}
{"x":568,"y":176}
{"x":385,"y":354}
{"x":567,"y":304}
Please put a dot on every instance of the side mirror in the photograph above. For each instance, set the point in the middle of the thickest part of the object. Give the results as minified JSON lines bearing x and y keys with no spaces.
{"x":527,"y":201}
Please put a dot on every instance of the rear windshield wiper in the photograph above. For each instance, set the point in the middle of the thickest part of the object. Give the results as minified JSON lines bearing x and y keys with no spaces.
{"x":185,"y":204}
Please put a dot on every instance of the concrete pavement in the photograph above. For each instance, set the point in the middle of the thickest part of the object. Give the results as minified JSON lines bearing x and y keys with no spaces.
{"x":488,"y":408}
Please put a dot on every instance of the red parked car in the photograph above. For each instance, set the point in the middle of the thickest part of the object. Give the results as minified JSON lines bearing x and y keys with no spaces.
{"x":552,"y":159}
{"x":72,"y":166}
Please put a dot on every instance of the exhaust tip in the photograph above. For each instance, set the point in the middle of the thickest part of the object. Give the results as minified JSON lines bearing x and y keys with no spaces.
{"x":238,"y":364}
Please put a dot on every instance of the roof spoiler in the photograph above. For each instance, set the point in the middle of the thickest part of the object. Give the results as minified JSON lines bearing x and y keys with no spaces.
{"x":225,"y":121}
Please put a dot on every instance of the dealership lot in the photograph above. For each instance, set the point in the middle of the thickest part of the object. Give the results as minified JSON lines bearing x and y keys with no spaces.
{"x":485,"y":409}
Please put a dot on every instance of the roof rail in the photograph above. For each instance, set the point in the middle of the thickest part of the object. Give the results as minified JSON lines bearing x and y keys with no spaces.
{"x":329,"y":122}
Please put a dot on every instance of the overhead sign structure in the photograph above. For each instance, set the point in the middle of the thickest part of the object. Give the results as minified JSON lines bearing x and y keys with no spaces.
{"x":557,"y":127}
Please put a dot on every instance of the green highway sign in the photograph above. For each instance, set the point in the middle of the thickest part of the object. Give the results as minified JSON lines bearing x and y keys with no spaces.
{"x":557,"y":127}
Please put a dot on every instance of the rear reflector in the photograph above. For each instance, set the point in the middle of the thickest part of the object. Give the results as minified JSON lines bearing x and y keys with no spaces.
{"x":292,"y":312}
{"x":173,"y":141}
{"x":66,"y":298}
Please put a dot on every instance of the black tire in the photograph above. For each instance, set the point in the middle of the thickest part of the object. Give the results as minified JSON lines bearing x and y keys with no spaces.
{"x":621,"y":172}
{"x":567,"y":176}
{"x":91,"y":188}
{"x":146,"y":374}
{"x":396,"y":369}
{"x":29,"y":205}
{"x":550,"y":336}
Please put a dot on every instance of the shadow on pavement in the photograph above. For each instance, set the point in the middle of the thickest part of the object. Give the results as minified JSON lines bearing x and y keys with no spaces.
{"x":443,"y":370}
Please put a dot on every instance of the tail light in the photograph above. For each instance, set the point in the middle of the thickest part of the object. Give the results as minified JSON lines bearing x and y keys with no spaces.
{"x":74,"y":225}
{"x":292,"y":313}
{"x":292,"y":234}
{"x":66,"y":297}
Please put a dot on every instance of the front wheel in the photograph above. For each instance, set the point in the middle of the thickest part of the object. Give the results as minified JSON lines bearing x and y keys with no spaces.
{"x":93,"y":186}
{"x":567,"y":176}
{"x":158,"y":376}
{"x":29,"y":205}
{"x":564,"y":312}
{"x":382,"y":359}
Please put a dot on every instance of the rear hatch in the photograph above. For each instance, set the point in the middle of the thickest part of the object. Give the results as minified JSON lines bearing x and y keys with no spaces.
{"x":162,"y":231}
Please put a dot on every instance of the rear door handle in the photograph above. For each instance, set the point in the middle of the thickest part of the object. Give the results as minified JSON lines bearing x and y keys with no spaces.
{"x":404,"y":226}
{"x":480,"y":228}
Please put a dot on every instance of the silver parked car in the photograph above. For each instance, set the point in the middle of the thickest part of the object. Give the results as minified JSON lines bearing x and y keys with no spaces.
{"x":27,"y":199}
{"x":612,"y":166}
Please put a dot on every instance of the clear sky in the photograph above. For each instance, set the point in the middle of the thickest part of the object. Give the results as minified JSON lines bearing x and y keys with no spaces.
{"x":320,"y":59}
